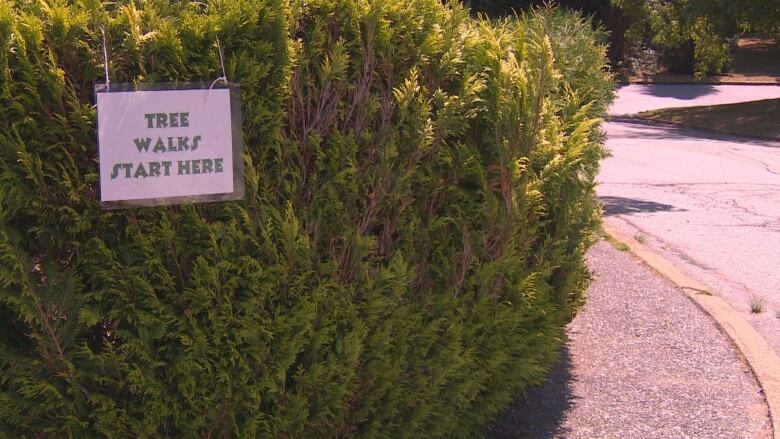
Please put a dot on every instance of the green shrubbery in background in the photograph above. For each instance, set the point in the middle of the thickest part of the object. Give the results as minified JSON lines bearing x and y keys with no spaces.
{"x":689,"y":36}
{"x":618,"y":17}
{"x":419,"y":201}
{"x":700,"y":35}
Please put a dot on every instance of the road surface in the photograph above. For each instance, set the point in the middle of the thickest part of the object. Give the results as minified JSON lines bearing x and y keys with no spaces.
{"x":709,"y":203}
{"x":640,"y":97}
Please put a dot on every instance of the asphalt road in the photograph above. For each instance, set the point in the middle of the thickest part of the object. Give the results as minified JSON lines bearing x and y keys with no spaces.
{"x":638,"y":97}
{"x":709,"y":203}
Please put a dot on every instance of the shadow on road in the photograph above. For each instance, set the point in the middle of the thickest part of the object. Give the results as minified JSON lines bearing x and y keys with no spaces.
{"x":540,"y":412}
{"x":629,"y":206}
{"x":632,"y":129}
{"x":679,"y":91}
{"x":629,"y":128}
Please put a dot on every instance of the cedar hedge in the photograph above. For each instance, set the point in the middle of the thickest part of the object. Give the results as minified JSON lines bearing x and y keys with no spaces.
{"x":419,"y":201}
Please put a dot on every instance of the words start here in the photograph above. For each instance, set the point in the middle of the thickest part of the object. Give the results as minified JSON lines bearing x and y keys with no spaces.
{"x":163,"y":145}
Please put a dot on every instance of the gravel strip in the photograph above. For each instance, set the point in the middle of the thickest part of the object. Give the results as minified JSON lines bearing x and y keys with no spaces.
{"x":642,"y":361}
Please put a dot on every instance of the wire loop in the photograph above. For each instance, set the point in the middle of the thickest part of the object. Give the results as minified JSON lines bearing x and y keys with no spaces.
{"x":222,"y":78}
{"x":105,"y":56}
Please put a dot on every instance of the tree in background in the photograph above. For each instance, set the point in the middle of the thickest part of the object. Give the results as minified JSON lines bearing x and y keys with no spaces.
{"x":692,"y":36}
{"x":612,"y":15}
{"x":698,"y":35}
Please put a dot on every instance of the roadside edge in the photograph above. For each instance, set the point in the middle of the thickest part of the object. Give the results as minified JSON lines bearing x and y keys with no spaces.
{"x":627,"y":118}
{"x":757,"y":353}
{"x":685,"y":81}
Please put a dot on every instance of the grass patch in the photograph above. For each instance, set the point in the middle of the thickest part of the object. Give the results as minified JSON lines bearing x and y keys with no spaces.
{"x":756,"y":305}
{"x":621,"y":246}
{"x":757,"y":118}
{"x":618,"y":245}
{"x":717,"y":292}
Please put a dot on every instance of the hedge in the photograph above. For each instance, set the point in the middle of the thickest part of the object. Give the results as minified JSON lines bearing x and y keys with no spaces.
{"x":419,"y":199}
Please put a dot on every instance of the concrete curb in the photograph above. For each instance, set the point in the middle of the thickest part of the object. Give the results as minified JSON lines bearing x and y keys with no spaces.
{"x":760,"y":357}
{"x":661,"y":123}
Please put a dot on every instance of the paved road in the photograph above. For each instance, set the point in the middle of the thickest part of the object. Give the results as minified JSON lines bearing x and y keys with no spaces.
{"x":642,"y":361}
{"x":635,"y":98}
{"x":710,"y":203}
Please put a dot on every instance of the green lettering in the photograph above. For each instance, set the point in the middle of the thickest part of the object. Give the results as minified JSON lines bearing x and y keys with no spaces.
{"x":207,"y":166}
{"x":195,"y":141}
{"x":183,"y":143}
{"x":115,"y":171}
{"x":142,"y":144}
{"x":167,"y":166}
{"x":160,"y":145}
{"x":170,"y":144}
{"x":128,"y":167}
{"x":218,"y":165}
{"x":185,"y":119}
{"x":173,"y":118}
{"x":149,"y":120}
{"x":162,"y":120}
{"x":154,"y":169}
{"x":140,"y":171}
{"x":196,"y":166}
{"x":184,"y":167}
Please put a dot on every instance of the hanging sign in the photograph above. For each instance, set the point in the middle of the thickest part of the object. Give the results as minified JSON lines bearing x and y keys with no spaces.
{"x":169,"y":144}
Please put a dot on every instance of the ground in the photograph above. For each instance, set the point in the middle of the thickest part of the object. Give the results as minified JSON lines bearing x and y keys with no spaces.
{"x":709,"y":203}
{"x":642,"y":361}
{"x":635,"y":98}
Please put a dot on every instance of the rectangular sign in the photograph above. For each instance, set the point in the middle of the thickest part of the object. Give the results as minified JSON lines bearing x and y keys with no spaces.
{"x":164,"y":145}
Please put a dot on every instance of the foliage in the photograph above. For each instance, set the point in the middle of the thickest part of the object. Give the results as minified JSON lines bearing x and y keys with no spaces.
{"x":419,"y":201}
{"x":696,"y":32}
{"x":496,"y":8}
{"x":617,"y":17}
{"x":696,"y":35}
{"x":692,"y":35}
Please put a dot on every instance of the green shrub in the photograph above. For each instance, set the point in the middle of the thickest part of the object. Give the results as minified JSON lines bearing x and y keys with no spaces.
{"x":697,"y":36}
{"x":419,"y":201}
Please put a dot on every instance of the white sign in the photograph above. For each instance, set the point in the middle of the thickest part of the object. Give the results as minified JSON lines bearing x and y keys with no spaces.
{"x":167,"y":146}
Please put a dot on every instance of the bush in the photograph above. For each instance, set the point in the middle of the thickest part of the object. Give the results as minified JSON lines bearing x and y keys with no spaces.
{"x":419,"y":201}
{"x":697,"y":36}
{"x":614,"y":19}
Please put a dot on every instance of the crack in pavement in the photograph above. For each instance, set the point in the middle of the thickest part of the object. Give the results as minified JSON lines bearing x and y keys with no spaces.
{"x":721,"y":280}
{"x":626,"y":183}
{"x":767,"y":225}
{"x":713,"y":199}
{"x":668,"y":246}
{"x":765,"y":165}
